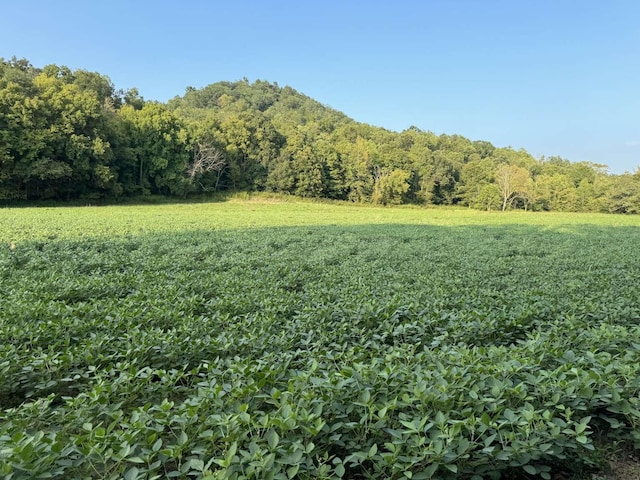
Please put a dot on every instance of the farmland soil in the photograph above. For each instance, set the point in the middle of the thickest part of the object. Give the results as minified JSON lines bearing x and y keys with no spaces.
{"x":625,"y":467}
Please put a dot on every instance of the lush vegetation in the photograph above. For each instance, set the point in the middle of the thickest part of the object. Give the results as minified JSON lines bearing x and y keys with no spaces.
{"x":297,"y":340}
{"x":70,"y":134}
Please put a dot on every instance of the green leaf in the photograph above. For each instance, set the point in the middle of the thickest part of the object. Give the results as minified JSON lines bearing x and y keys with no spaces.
{"x":272,"y":439}
{"x":463,"y":446}
{"x":232,"y":450}
{"x":292,"y":471}
{"x":427,"y":473}
{"x":131,"y":474}
{"x":452,"y":467}
{"x":373,"y":450}
{"x":510,"y":415}
{"x":489,"y":440}
{"x":293,"y":458}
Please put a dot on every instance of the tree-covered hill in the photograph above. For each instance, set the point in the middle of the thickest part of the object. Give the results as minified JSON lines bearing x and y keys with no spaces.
{"x":70,"y":134}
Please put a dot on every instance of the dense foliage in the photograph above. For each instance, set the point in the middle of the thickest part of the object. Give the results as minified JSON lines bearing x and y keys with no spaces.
{"x":70,"y":134}
{"x":371,"y":351}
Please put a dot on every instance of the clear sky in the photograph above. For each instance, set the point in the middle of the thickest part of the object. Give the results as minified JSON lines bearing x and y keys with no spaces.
{"x":556,"y":77}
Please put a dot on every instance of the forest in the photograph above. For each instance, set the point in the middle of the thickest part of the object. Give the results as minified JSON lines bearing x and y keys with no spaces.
{"x":70,"y":134}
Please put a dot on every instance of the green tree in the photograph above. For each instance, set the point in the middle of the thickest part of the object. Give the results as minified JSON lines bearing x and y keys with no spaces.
{"x":301,"y":159}
{"x":624,"y":194}
{"x":555,"y":192}
{"x":161,"y":148}
{"x":390,"y":187}
{"x":336,"y":182}
{"x":282,"y":176}
{"x":439,"y":178}
{"x":54,"y":142}
{"x":488,"y":198}
{"x":252,"y":146}
{"x":67,"y":133}
{"x":359,"y":169}
{"x":475,"y":175}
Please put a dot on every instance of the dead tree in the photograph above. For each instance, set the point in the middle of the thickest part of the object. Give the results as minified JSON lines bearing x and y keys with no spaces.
{"x":206,"y":158}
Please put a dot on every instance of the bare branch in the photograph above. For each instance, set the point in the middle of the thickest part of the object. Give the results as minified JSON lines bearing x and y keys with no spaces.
{"x":206,"y":158}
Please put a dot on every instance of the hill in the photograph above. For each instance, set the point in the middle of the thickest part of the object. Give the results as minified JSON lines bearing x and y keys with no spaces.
{"x":70,"y":134}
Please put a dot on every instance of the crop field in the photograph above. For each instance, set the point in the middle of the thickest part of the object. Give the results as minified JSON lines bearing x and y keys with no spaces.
{"x":280,"y":340}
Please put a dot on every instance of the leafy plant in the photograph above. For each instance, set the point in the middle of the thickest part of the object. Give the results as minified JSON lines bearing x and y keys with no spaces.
{"x":371,"y":351}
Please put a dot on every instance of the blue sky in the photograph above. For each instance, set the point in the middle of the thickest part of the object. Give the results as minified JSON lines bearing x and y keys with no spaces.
{"x":555,"y":77}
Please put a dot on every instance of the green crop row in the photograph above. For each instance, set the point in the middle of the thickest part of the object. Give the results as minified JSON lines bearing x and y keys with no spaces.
{"x":388,"y":351}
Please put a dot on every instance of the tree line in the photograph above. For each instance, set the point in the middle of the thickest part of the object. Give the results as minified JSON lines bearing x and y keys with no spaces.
{"x":72,"y":135}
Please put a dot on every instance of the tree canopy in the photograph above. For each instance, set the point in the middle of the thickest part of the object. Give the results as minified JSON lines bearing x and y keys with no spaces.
{"x":71,"y":134}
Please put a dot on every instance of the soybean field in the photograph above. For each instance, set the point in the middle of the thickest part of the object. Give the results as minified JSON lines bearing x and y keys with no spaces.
{"x":266,"y":339}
